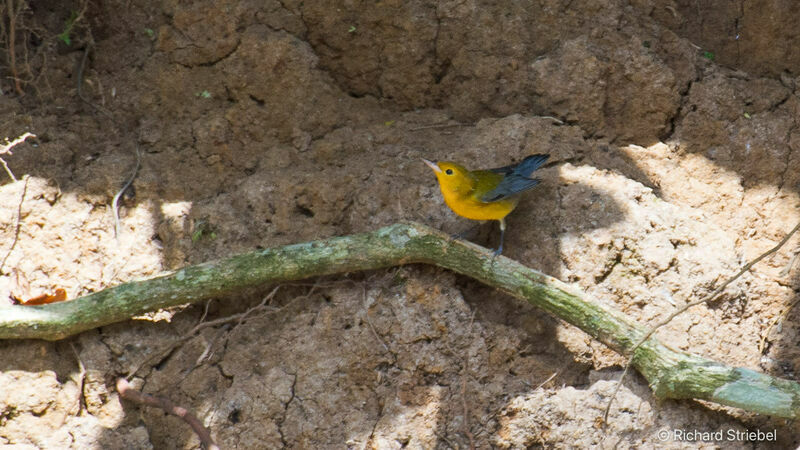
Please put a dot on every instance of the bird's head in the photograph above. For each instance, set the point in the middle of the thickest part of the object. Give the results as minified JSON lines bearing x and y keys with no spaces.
{"x":452,"y":177}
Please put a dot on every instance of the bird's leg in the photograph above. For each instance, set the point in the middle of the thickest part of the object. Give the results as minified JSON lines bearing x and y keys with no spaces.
{"x":502,"y":234}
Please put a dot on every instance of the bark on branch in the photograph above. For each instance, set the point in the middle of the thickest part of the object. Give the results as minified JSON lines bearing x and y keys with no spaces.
{"x":671,"y":373}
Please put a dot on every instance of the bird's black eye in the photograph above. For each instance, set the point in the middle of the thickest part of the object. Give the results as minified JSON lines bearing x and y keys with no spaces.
{"x":449,"y":171}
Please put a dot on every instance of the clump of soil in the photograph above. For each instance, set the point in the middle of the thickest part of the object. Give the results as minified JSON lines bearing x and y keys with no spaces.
{"x":674,"y":151}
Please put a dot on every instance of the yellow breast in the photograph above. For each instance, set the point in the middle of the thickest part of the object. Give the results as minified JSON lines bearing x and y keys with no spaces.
{"x":471,"y":208}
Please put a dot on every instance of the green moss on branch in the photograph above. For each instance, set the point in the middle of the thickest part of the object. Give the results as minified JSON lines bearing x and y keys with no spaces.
{"x":671,"y":373}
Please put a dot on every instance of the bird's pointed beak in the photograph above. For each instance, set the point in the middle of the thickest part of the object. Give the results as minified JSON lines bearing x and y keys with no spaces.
{"x":432,"y":165}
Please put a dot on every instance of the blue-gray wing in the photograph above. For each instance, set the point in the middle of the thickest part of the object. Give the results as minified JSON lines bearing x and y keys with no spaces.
{"x":525,"y":167}
{"x":505,"y":170}
{"x":512,"y":184}
{"x":516,"y":178}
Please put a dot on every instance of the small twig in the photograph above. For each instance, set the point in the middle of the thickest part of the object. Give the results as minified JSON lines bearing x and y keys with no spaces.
{"x":8,"y":170}
{"x":128,"y":393}
{"x":206,"y":353}
{"x":791,"y":264}
{"x":129,"y":181}
{"x":458,"y":124}
{"x":202,"y":356}
{"x":12,"y":31}
{"x":261,"y":306}
{"x":81,"y":68}
{"x":6,"y":149}
{"x":438,"y":125}
{"x":205,"y":311}
{"x":81,"y":379}
{"x":115,"y":202}
{"x":672,"y":10}
{"x":548,"y":379}
{"x":201,"y":325}
{"x":369,"y":322}
{"x":18,"y":225}
{"x":89,"y":45}
{"x":554,"y":119}
{"x":685,"y":307}
{"x":778,"y":318}
{"x":444,"y":438}
{"x":199,"y":361}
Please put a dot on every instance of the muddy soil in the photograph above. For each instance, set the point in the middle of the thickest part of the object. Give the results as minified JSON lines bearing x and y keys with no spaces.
{"x":675,"y":158}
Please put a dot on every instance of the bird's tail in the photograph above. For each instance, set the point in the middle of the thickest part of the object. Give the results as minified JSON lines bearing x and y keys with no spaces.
{"x":528,"y":165}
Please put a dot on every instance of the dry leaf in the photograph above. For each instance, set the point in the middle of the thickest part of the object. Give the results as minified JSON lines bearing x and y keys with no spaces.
{"x":59,"y":296}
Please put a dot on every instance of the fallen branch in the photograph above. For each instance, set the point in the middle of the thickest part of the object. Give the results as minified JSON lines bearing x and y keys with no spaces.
{"x":707,"y":299}
{"x":671,"y":373}
{"x":127,"y":392}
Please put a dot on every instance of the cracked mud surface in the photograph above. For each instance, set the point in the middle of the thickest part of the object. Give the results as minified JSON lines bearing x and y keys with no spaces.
{"x":268,"y":123}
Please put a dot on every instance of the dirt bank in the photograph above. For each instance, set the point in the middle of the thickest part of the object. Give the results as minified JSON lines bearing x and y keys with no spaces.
{"x":674,"y":138}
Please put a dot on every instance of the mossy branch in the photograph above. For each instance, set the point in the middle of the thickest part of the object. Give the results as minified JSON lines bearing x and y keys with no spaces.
{"x":671,"y":373}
